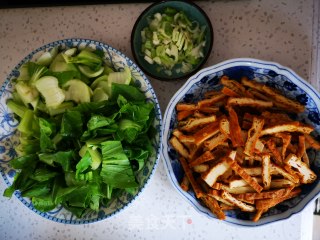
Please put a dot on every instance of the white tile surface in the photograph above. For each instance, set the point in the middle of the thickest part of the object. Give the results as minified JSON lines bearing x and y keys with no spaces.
{"x":269,"y":29}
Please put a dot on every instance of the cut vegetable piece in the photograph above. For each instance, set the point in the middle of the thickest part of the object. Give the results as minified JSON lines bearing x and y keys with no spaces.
{"x":49,"y":89}
{"x":87,"y":71}
{"x":77,"y":91}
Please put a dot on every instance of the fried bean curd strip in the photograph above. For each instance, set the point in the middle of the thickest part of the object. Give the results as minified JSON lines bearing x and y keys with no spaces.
{"x":206,"y":132}
{"x":224,"y":127}
{"x":201,"y":168}
{"x":188,"y":173}
{"x":217,"y":170}
{"x":234,"y":86}
{"x":213,"y":205}
{"x":306,"y":174}
{"x":208,"y":110}
{"x":185,"y":183}
{"x":184,"y":114}
{"x":212,"y":100}
{"x":290,"y":127}
{"x":286,"y":140}
{"x":186,"y":107}
{"x":229,"y":92}
{"x":177,"y":145}
{"x":312,"y":142}
{"x":205,"y":157}
{"x":266,"y":194}
{"x":253,"y":135}
{"x":249,"y":102}
{"x":291,"y":104}
{"x":266,"y":171}
{"x":268,"y":203}
{"x":274,"y":151}
{"x":194,"y":123}
{"x":243,"y":206}
{"x":239,"y":170}
{"x":182,"y":138}
{"x":278,"y":170}
{"x":215,"y":141}
{"x":217,"y":195}
{"x":235,"y":130}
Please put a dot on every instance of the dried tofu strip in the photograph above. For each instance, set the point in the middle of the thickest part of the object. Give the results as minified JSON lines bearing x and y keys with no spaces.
{"x":184,"y":114}
{"x":215,"y":141}
{"x":307,"y":175}
{"x":243,"y":206}
{"x":281,"y":183}
{"x":265,"y":194}
{"x":217,"y":170}
{"x":252,"y":84}
{"x":225,"y":207}
{"x":233,"y":85}
{"x":274,"y":151}
{"x":291,"y":104}
{"x":217,"y":195}
{"x":290,"y":127}
{"x":286,"y":140}
{"x":253,"y":135}
{"x":241,"y":183}
{"x":208,"y":109}
{"x":251,"y":201}
{"x":186,"y":107}
{"x":268,"y":203}
{"x":224,"y":126}
{"x":206,"y":133}
{"x":205,"y":157}
{"x":188,"y":173}
{"x":253,"y":171}
{"x":235,"y":130}
{"x":211,"y":93}
{"x":312,"y":142}
{"x":302,"y":151}
{"x":201,"y":168}
{"x":182,"y":138}
{"x":278,"y":170}
{"x":177,"y":145}
{"x":259,"y":95}
{"x":240,"y":171}
{"x":212,"y":100}
{"x":194,"y":123}
{"x":185,"y":183}
{"x":229,"y":92}
{"x":258,"y":215}
{"x":276,"y":97}
{"x":266,"y":172}
{"x":213,"y":205}
{"x":198,"y":114}
{"x":249,"y":102}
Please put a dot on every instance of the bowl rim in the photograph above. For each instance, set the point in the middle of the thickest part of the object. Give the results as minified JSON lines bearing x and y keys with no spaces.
{"x":205,"y":58}
{"x":157,"y":113}
{"x":300,"y":82}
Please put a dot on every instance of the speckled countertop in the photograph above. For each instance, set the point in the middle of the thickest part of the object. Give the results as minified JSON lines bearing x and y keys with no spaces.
{"x":283,"y":31}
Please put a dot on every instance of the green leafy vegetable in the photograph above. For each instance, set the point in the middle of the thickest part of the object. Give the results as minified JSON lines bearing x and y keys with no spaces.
{"x":83,"y":131}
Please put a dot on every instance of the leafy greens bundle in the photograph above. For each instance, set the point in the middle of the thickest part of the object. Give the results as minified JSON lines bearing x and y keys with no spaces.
{"x":84,"y":132}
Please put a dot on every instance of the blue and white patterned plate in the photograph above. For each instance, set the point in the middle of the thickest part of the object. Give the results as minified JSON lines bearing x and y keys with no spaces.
{"x":272,"y":74}
{"x":9,"y":138}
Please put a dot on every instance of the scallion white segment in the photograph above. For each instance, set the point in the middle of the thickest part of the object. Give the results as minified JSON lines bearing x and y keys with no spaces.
{"x":173,"y":41}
